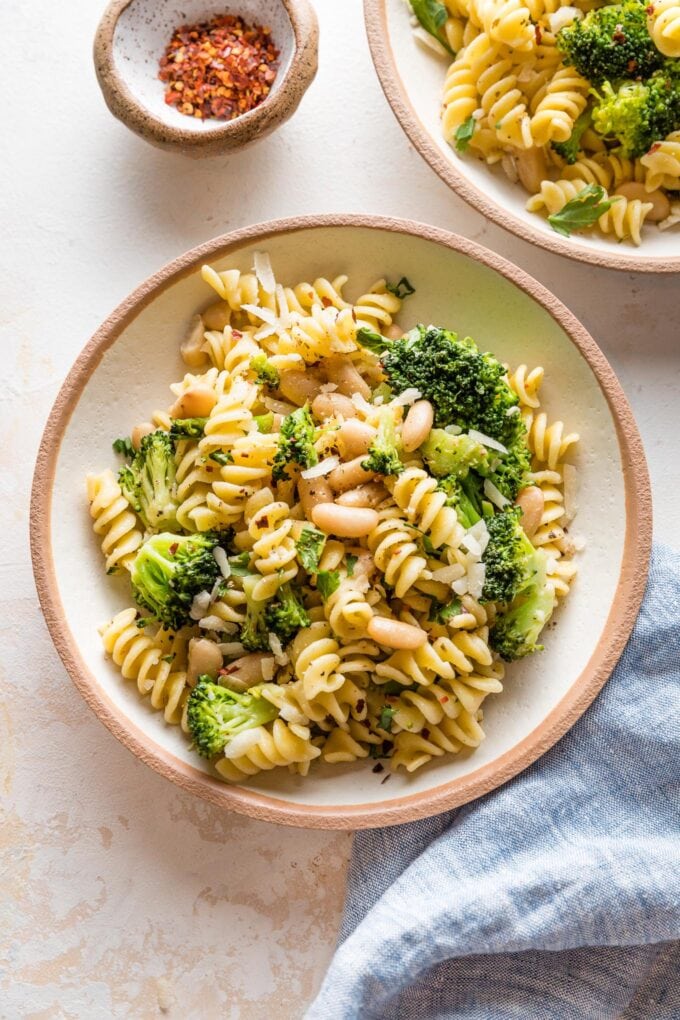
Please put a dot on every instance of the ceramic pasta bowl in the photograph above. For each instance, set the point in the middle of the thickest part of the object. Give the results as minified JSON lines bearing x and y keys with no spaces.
{"x":126,"y":368}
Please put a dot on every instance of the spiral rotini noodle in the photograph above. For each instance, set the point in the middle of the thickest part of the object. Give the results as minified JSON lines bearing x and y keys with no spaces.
{"x":114,"y":522}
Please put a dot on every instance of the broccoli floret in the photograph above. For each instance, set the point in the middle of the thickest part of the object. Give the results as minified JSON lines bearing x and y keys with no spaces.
{"x":465,"y":496}
{"x":266,"y":374}
{"x":516,"y":630}
{"x":148,"y":483}
{"x":296,"y":443}
{"x":611,"y":42}
{"x":465,"y":387}
{"x":569,"y":150}
{"x":124,"y":447}
{"x":637,"y":114}
{"x":509,"y":557}
{"x":264,"y":422}
{"x":215,"y":715}
{"x":187,"y":428}
{"x":169,"y":571}
{"x":510,"y":470}
{"x":446,"y":454}
{"x":383,"y":455}
{"x":286,"y":615}
{"x":254,"y":632}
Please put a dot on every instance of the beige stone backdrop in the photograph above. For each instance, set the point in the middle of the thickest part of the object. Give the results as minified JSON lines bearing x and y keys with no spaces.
{"x":120,"y":896}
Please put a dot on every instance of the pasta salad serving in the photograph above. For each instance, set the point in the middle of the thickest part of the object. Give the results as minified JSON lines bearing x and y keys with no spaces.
{"x":337,"y":534}
{"x":576,"y":100}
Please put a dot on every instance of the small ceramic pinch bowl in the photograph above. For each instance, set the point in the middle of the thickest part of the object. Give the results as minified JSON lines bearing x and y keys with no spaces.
{"x":125,"y":370}
{"x":133,"y":35}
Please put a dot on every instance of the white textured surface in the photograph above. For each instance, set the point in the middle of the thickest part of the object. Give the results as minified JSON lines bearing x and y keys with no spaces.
{"x":119,"y":896}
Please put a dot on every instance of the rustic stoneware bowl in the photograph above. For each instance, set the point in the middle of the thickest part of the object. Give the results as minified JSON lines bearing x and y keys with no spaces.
{"x":412,"y":77}
{"x":132,"y":37}
{"x":125,"y":370}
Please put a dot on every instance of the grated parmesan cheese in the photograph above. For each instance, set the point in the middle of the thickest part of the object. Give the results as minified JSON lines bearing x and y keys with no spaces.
{"x":324,"y":467}
{"x":200,"y":605}
{"x":264,"y":272}
{"x":222,"y":563}
{"x":494,"y":494}
{"x":493,"y":444}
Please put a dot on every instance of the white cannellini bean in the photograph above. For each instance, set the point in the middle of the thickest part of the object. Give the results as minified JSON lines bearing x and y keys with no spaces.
{"x":204,"y":657}
{"x":341,"y":370}
{"x":191,"y":348}
{"x":139,"y":431}
{"x":344,"y":521}
{"x":299,"y":387}
{"x":331,"y":405}
{"x":349,"y":475}
{"x":531,"y":168}
{"x":354,"y":438}
{"x":371,"y":494}
{"x":531,"y":502}
{"x":217,"y":316}
{"x":394,"y":633}
{"x":246,"y":671}
{"x":417,"y":425}
{"x":313,"y":491}
{"x":196,"y":402}
{"x":661,"y":207}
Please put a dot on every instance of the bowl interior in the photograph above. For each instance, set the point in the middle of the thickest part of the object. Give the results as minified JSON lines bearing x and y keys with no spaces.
{"x":452,"y":288}
{"x":145,"y":28}
{"x":419,"y":73}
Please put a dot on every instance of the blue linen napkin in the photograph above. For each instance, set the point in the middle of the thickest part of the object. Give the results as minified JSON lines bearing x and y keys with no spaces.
{"x":555,"y":896}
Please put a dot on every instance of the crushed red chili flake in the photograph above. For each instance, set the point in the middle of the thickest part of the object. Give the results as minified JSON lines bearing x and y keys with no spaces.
{"x":538,"y":34}
{"x":218,"y":69}
{"x":173,"y":548}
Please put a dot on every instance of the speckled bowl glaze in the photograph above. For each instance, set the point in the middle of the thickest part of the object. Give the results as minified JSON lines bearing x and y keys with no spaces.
{"x":125,"y":370}
{"x":132,"y":37}
{"x":412,"y":78}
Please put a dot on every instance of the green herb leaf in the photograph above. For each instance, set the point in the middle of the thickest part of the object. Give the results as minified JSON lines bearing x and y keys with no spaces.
{"x":464,"y":134}
{"x":309,"y":548}
{"x":240,"y":564}
{"x":394,"y":687}
{"x":351,"y":563}
{"x":168,"y":658}
{"x":402,"y":290}
{"x":433,"y":15}
{"x":220,"y":457}
{"x":327,"y":581}
{"x":266,"y":374}
{"x":386,"y":716}
{"x":124,"y":447}
{"x":581,"y":211}
{"x":187,"y":428}
{"x":372,"y":341}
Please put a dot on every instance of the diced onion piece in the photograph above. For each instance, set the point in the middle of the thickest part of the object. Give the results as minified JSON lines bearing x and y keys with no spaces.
{"x":242,"y":742}
{"x":200,"y":605}
{"x":266,"y":314}
{"x":476,"y":577}
{"x":569,"y":475}
{"x":494,"y":494}
{"x":563,"y":17}
{"x":268,"y":667}
{"x":447,"y":575}
{"x":493,"y":444}
{"x":453,"y":430}
{"x":231,"y":649}
{"x":280,"y":656}
{"x":409,"y":396}
{"x":217,"y":624}
{"x":324,"y":467}
{"x":222,"y":561}
{"x":460,"y":586}
{"x":472,"y":546}
{"x":430,"y":42}
{"x":264,"y":272}
{"x":481,"y":533}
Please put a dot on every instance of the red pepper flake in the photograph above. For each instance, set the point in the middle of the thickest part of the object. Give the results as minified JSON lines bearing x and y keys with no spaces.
{"x":653,"y":148}
{"x":360,"y":705}
{"x":443,"y":700}
{"x":619,"y":35}
{"x":173,"y":548}
{"x":538,"y":34}
{"x":378,"y":767}
{"x":649,"y":11}
{"x":236,"y":334}
{"x":218,"y":69}
{"x":326,"y":302}
{"x":425,"y":733}
{"x":631,"y":66}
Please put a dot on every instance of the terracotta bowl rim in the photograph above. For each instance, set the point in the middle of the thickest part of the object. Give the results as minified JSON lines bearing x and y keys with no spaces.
{"x":375,"y":17}
{"x":622,"y":615}
{"x":233,"y":134}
